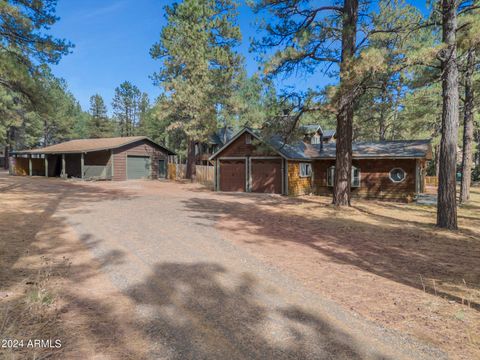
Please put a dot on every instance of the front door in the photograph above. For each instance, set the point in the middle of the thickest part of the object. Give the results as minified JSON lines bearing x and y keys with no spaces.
{"x":162,"y":169}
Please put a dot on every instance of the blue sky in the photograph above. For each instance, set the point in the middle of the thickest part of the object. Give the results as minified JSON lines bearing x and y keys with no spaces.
{"x":112,"y":40}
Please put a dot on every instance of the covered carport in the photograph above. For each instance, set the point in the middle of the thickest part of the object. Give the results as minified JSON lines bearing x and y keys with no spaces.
{"x":134,"y":157}
{"x":85,"y":165}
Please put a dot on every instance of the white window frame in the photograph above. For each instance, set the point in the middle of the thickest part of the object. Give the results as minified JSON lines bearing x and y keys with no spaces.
{"x":248,"y":138}
{"x":331,"y":177}
{"x":315,"y":140}
{"x":397,"y":181}
{"x":359,"y":177}
{"x":303,"y":169}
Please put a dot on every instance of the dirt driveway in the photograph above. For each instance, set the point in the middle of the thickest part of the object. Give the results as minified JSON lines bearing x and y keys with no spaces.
{"x":167,"y":270}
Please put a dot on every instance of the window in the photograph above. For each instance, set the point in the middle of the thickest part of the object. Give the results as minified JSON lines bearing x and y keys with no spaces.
{"x":355,"y":177}
{"x":355,"y":182}
{"x":305,"y":169}
{"x":397,"y":175}
{"x":315,"y":140}
{"x":248,"y":138}
{"x":331,"y":176}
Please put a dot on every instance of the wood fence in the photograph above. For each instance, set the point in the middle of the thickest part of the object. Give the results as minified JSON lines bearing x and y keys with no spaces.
{"x":431,"y":180}
{"x":204,"y":174}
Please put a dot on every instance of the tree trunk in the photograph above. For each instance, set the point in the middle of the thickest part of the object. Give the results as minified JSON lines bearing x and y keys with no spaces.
{"x":467,"y":129}
{"x":382,"y":121}
{"x":7,"y":150}
{"x":477,"y":158}
{"x":190,"y":171}
{"x":447,"y":207}
{"x":6,"y":159}
{"x":343,"y":163}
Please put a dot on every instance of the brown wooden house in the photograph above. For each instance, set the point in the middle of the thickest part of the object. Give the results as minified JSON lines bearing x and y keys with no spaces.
{"x":123,"y":158}
{"x":387,"y":169}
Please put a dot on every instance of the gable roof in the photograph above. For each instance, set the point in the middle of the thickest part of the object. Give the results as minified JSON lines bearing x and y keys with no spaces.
{"x":360,"y":150}
{"x":313,"y":128}
{"x":310,"y":128}
{"x":235,"y":137}
{"x":329,"y":133}
{"x":89,"y":145}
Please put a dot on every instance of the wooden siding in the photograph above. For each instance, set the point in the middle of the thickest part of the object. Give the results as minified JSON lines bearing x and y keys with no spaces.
{"x":239,"y":148}
{"x":375,"y":181}
{"x":139,"y":148}
{"x":297,"y":185}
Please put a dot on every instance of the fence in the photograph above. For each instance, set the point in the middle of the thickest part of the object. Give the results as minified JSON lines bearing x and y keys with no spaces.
{"x":204,"y":174}
{"x":431,"y":180}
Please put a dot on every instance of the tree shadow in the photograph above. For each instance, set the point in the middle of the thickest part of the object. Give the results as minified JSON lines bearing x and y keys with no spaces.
{"x":396,"y":249}
{"x":33,"y":250}
{"x":196,"y":312}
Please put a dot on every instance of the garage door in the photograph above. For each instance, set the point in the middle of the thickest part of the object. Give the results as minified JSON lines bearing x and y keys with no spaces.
{"x":138,"y":167}
{"x":232,"y":175}
{"x":267,"y":176}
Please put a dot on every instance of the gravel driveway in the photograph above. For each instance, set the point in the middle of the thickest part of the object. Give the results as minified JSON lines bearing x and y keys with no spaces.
{"x":199,"y":296}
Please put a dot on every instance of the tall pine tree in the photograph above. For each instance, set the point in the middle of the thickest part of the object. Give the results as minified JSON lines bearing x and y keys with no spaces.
{"x":198,"y":65}
{"x":99,"y":125}
{"x":125,"y":106}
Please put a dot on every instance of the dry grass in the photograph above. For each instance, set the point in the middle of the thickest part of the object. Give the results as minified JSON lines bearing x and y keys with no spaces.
{"x":33,"y":315}
{"x":386,"y":261}
{"x":51,"y":287}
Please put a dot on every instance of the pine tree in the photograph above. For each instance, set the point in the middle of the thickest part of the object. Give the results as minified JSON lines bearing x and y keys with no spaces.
{"x":99,"y":124}
{"x":25,"y":46}
{"x":125,"y":106}
{"x":198,"y":65}
{"x":306,"y":36}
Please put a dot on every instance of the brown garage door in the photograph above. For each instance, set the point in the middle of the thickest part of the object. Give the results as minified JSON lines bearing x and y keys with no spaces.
{"x":232,"y":175}
{"x":267,"y":176}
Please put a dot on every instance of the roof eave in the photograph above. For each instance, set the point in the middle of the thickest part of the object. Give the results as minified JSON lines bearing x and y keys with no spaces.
{"x":40,"y":152}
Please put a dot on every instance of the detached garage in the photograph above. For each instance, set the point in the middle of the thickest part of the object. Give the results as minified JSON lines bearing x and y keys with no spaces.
{"x":123,"y":158}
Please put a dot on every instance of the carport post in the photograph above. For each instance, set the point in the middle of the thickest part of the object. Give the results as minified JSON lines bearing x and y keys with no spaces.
{"x":46,"y":165}
{"x":30,"y":164}
{"x":82,"y":163}
{"x":64,"y":174}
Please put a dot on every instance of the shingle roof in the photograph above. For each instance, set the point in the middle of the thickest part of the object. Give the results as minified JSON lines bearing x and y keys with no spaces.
{"x":310,"y":128}
{"x":364,"y":149}
{"x":87,"y":145}
{"x":313,"y":128}
{"x":329,"y":133}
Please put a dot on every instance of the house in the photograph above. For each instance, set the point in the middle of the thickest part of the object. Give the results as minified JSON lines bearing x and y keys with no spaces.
{"x":203,"y":150}
{"x":387,"y":169}
{"x":120,"y":158}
